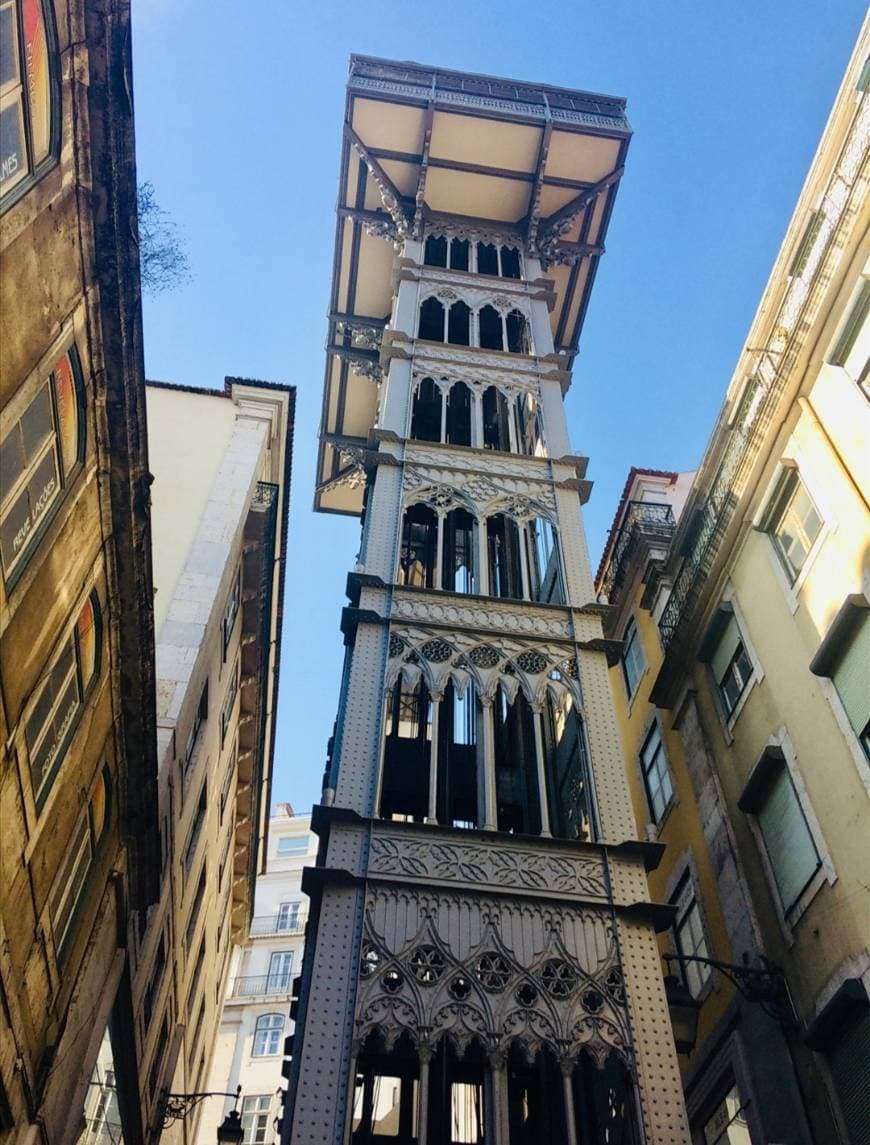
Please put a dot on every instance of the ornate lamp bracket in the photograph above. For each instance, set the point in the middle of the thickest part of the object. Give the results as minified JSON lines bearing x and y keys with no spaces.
{"x":764,"y":983}
{"x":176,"y":1106}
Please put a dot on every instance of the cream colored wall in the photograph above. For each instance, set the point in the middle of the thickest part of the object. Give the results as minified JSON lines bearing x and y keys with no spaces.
{"x":187,"y":436}
{"x":784,"y":627}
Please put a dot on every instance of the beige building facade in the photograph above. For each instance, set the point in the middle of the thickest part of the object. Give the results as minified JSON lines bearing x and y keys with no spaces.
{"x":220,"y":500}
{"x":79,"y":844}
{"x":754,"y":628}
{"x":252,"y":1039}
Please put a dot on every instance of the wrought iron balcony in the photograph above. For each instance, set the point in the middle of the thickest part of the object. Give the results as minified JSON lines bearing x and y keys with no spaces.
{"x":643,"y":521}
{"x":261,"y":985}
{"x":274,"y":924}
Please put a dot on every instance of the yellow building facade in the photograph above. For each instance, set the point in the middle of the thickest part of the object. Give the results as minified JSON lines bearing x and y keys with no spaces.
{"x":754,"y":626}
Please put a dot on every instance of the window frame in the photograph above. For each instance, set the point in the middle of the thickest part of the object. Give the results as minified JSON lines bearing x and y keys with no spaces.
{"x":686,"y":886}
{"x":36,"y":169}
{"x":662,"y":771}
{"x":256,"y":1131}
{"x":855,"y":318}
{"x":723,"y":616}
{"x":273,"y":1034}
{"x":631,"y":640}
{"x":294,"y":853}
{"x":71,"y":639}
{"x":789,"y":486}
{"x":200,"y":716}
{"x":230,"y":697}
{"x":232,"y":610}
{"x":66,"y":471}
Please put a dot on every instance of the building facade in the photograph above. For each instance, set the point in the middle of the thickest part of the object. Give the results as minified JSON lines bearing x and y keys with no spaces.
{"x":220,"y":502}
{"x":481,"y":961}
{"x":255,"y":1022}
{"x":754,"y":631}
{"x":79,"y":845}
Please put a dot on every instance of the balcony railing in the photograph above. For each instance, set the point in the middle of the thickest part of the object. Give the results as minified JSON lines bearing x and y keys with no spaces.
{"x":274,"y":924}
{"x":643,"y":519}
{"x":261,"y":985}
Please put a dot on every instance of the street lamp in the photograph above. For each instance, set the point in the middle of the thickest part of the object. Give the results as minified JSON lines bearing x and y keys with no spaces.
{"x":764,"y":984}
{"x":176,"y":1107}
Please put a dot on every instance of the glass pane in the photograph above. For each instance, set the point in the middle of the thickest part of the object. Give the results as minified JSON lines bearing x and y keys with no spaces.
{"x":387,"y":1106}
{"x":13,"y":157}
{"x":67,"y":412}
{"x":15,"y":528}
{"x":38,"y":80}
{"x":12,"y":463}
{"x":36,"y":424}
{"x":466,"y":1101}
{"x":43,"y":487}
{"x":8,"y":46}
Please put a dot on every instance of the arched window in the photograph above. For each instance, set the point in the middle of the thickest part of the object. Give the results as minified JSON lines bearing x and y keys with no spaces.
{"x":407,"y":752}
{"x":459,"y":415}
{"x":487,"y":259}
{"x":459,"y":324}
{"x":431,"y":324}
{"x":267,"y":1035}
{"x":503,"y":545}
{"x":517,"y":333}
{"x":536,"y":1099}
{"x":459,"y":254}
{"x":516,"y":766}
{"x":458,"y":552}
{"x":569,"y":780}
{"x":542,"y":551}
{"x":490,"y":329}
{"x":41,"y":454}
{"x":426,"y":412}
{"x":457,"y":758}
{"x":528,"y":423}
{"x":496,"y":431}
{"x":385,"y":1093}
{"x":435,"y":251}
{"x":510,"y":262}
{"x":419,"y":541}
{"x":29,"y":120}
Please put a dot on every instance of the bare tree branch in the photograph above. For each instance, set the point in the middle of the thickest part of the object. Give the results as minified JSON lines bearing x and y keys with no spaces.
{"x":163,"y":260}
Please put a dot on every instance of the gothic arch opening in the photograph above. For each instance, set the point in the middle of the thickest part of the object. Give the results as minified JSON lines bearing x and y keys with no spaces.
{"x":426,"y":412}
{"x":419,"y":545}
{"x":536,"y":1099}
{"x":386,"y":1093}
{"x":518,"y":806}
{"x":496,"y":420}
{"x":458,"y":758}
{"x":431,"y":324}
{"x":489,"y":329}
{"x":503,"y":549}
{"x":459,"y":324}
{"x":518,"y":341}
{"x":566,"y":763}
{"x":407,"y":752}
{"x":458,"y":552}
{"x":542,"y":553}
{"x":458,"y":430}
{"x":435,"y":251}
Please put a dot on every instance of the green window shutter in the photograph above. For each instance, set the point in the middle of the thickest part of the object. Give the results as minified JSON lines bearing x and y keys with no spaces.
{"x":790,"y":845}
{"x":725,"y":649}
{"x":802,"y":255}
{"x":853,"y":326}
{"x":848,"y":1059}
{"x":851,"y":677}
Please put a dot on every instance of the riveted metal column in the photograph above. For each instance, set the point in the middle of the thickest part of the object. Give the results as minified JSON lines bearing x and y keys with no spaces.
{"x":482,"y":570}
{"x":490,"y":811}
{"x":439,"y":553}
{"x":500,"y":1107}
{"x":425,"y":1055}
{"x":432,"y":810}
{"x":542,"y":771}
{"x":567,"y":1068}
{"x":477,"y":418}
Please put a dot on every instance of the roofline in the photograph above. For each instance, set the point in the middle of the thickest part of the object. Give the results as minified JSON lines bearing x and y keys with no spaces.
{"x":382,"y":61}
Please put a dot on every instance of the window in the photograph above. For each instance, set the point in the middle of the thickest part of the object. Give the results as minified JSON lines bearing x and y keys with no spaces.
{"x":458,"y":552}
{"x":487,"y":259}
{"x":280,"y":968}
{"x":569,"y":782}
{"x":426,"y":412}
{"x":439,"y":252}
{"x":70,"y":883}
{"x":517,"y":330}
{"x":516,"y":765}
{"x":385,"y":1100}
{"x":458,"y":427}
{"x":255,"y":1119}
{"x":542,"y":551}
{"x":28,"y":131}
{"x":228,"y":782}
{"x":232,"y":610}
{"x":804,"y":250}
{"x":771,"y":797}
{"x":431,"y":325}
{"x":154,"y":980}
{"x":59,"y":703}
{"x":633,"y":662}
{"x":230,"y":702}
{"x":156,"y":1067}
{"x":689,"y":939}
{"x":728,"y":1124}
{"x":267,"y":1035}
{"x":496,"y":420}
{"x":199,"y":718}
{"x":457,"y":758}
{"x":39,"y":456}
{"x":407,"y":751}
{"x":288,"y":846}
{"x":852,"y":348}
{"x":842,"y":1033}
{"x":503,"y":545}
{"x":195,"y":828}
{"x":195,"y":908}
{"x":656,"y":774}
{"x":490,"y":329}
{"x":795,"y":524}
{"x":529,"y":437}
{"x":730,"y":664}
{"x":419,"y":541}
{"x":459,"y":324}
{"x":288,"y":917}
{"x":844,"y":656}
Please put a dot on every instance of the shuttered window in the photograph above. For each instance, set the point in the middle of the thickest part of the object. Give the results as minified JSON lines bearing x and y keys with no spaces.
{"x":851,"y":677}
{"x":852,"y":348}
{"x":848,"y":1058}
{"x":731,"y":666}
{"x":790,"y":846}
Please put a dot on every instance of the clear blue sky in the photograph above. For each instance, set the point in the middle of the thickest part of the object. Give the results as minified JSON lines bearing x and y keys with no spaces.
{"x":238,"y":123}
